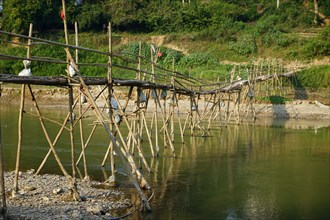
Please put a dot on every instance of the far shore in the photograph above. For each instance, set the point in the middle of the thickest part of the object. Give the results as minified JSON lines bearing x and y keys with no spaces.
{"x":53,"y":97}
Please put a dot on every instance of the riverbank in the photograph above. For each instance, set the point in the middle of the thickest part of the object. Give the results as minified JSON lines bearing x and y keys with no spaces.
{"x":54,"y":97}
{"x":49,"y":197}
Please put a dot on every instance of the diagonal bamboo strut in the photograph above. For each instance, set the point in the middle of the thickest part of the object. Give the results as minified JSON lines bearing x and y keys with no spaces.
{"x":130,"y":131}
{"x":59,"y":133}
{"x":121,"y":152}
{"x":47,"y":119}
{"x":179,"y":118}
{"x":68,"y":177}
{"x":82,"y":139}
{"x":86,"y":143}
{"x":127,"y":150}
{"x":148,"y":133}
{"x":167,"y":135}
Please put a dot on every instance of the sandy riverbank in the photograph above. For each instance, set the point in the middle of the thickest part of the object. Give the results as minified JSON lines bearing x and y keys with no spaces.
{"x":53,"y":97}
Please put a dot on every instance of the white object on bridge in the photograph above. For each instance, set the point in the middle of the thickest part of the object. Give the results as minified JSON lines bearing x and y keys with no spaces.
{"x":27,"y":70}
{"x":72,"y":72}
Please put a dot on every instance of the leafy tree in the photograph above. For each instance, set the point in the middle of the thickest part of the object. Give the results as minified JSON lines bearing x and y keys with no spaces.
{"x":18,"y":14}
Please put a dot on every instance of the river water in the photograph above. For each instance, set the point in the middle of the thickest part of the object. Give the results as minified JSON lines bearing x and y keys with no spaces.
{"x":269,"y":170}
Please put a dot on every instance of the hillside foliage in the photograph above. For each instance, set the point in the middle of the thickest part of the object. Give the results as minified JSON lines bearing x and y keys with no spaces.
{"x":216,"y":18}
{"x":211,"y":31}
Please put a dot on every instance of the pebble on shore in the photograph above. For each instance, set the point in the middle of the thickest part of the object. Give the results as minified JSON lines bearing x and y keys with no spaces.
{"x":49,"y":197}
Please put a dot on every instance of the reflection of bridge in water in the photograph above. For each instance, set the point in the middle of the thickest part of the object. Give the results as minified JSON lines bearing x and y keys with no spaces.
{"x":165,"y":88}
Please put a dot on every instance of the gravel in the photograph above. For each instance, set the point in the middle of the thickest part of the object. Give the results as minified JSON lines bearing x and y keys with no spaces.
{"x":49,"y":197}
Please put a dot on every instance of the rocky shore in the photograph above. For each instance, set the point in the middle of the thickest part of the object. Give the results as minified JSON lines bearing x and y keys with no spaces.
{"x":48,"y":197}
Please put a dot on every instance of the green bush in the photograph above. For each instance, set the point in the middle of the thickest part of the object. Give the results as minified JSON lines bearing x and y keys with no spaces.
{"x":318,"y":46}
{"x":276,"y":37}
{"x":167,"y":56}
{"x":197,"y":59}
{"x":245,"y":45}
{"x":315,"y":78}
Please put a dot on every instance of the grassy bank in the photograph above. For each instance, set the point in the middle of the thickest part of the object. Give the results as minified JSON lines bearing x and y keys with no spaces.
{"x":195,"y":54}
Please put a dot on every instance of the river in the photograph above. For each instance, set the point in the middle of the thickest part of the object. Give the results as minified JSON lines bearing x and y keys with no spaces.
{"x":274,"y":169}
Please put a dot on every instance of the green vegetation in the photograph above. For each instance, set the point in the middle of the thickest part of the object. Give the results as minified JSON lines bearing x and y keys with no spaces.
{"x":208,"y":31}
{"x":315,"y":78}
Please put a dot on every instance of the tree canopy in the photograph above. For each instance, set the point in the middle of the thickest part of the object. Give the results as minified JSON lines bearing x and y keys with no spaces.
{"x":159,"y":15}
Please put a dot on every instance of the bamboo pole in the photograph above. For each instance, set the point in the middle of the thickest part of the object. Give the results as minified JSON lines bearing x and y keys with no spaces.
{"x":20,"y":119}
{"x":81,"y":129}
{"x":167,"y":135}
{"x":155,"y":114}
{"x":110,"y":85}
{"x":121,"y":152}
{"x":59,"y":133}
{"x":172,"y":101}
{"x":179,"y":119}
{"x":86,"y":143}
{"x":20,"y":134}
{"x":75,"y":194}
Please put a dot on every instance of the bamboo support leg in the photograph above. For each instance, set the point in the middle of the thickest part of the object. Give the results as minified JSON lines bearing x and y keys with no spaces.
{"x":82,"y":140}
{"x":75,"y":193}
{"x":180,"y":125}
{"x":106,"y":155}
{"x":54,"y":143}
{"x":156,"y":131}
{"x":172,"y":123}
{"x":166,"y":130}
{"x":148,"y":134}
{"x":19,"y":144}
{"x":138,"y":148}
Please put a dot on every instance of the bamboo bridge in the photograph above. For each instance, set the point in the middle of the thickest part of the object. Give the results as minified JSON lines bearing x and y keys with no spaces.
{"x":152,"y":83}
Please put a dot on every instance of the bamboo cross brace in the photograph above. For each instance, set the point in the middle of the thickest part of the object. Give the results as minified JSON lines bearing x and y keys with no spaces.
{"x":86,"y":143}
{"x":59,"y":133}
{"x":130,"y":132}
{"x":75,"y":193}
{"x":167,"y":135}
{"x":127,"y":150}
{"x":121,"y":152}
{"x":148,"y":133}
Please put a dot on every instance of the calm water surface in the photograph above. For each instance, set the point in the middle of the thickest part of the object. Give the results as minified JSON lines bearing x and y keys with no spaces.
{"x":271,"y":170}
